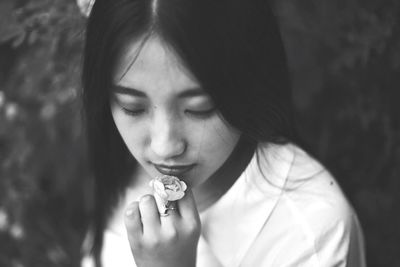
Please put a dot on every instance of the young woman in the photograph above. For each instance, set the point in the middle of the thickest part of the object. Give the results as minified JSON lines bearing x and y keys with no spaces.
{"x":199,"y":89}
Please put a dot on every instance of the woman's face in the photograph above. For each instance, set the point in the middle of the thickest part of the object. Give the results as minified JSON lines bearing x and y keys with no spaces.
{"x":168,"y":122}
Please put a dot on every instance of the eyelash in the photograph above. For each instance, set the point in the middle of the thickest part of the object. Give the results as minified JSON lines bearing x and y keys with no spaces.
{"x":132,"y":113}
{"x":197,"y":114}
{"x":201,"y":114}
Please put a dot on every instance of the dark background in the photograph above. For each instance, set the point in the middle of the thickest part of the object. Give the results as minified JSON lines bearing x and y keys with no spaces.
{"x":345,"y":60}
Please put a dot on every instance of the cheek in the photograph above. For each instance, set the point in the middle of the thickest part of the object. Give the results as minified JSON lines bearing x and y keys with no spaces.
{"x":217,"y":142}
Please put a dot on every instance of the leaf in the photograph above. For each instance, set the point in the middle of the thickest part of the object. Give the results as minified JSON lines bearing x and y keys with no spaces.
{"x":9,"y":27}
{"x":19,"y":39}
{"x":33,"y":36}
{"x":10,"y":32}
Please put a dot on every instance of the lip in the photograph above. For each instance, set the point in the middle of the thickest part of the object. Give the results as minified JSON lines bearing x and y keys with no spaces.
{"x":173,"y":170}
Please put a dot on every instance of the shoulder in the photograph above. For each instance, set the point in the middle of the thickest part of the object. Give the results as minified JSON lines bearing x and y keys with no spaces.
{"x":312,"y":203}
{"x":307,"y":185}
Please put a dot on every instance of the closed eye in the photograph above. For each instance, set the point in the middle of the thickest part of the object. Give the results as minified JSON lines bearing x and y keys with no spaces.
{"x":135,"y":112}
{"x":129,"y":109}
{"x":201,"y":113}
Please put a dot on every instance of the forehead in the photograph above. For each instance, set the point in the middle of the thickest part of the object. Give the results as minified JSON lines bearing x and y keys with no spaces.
{"x":152,"y":62}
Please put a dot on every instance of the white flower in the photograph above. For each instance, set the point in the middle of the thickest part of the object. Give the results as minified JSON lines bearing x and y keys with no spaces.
{"x":16,"y":231}
{"x":169,"y":188}
{"x":85,"y":6}
{"x":11,"y":111}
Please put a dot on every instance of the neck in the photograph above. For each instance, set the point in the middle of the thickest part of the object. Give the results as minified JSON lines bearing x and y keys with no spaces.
{"x":220,"y":182}
{"x":211,"y":190}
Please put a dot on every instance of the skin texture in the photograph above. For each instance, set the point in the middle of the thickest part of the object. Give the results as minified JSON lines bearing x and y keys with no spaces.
{"x":163,"y":241}
{"x":171,"y":121}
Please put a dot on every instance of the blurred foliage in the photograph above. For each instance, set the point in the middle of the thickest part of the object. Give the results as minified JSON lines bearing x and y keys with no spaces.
{"x":345,"y":60}
{"x":43,"y":166}
{"x":344,"y":57}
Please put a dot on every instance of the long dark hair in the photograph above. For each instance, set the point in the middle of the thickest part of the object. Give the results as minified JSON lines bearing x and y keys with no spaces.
{"x":233,"y":48}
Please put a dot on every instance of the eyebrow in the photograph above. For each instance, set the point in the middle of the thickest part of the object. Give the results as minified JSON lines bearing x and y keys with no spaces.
{"x":191,"y":92}
{"x":118,"y":89}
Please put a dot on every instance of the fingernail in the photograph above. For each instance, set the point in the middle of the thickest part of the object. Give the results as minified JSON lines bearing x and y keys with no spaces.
{"x":145,"y":198}
{"x":129,"y":212}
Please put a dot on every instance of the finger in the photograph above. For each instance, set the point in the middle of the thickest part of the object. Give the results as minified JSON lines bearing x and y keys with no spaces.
{"x":171,"y":215}
{"x":132,"y":221}
{"x":172,"y":208}
{"x":161,"y":204}
{"x":187,"y":207}
{"x":149,"y":214}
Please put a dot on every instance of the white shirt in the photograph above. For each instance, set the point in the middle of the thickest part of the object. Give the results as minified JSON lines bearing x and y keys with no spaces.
{"x":285,"y":209}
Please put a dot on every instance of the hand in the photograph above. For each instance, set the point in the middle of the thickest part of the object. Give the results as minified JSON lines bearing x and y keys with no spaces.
{"x":169,"y":241}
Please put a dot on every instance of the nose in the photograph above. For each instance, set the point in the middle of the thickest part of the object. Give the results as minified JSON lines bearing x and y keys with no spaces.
{"x":167,"y":137}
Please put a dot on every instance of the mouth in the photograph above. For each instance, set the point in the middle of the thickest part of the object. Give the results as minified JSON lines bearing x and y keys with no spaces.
{"x":173,"y":170}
